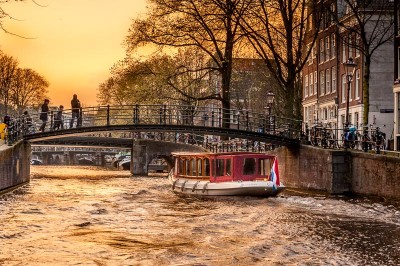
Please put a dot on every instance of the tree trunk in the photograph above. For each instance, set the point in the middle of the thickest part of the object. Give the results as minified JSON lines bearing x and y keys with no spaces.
{"x":367,"y":72}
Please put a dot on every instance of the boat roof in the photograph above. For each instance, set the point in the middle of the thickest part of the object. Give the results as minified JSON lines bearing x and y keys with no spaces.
{"x":237,"y":153}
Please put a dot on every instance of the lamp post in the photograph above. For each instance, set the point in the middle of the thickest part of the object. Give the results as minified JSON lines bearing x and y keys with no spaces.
{"x":350,"y":67}
{"x":270,"y":98}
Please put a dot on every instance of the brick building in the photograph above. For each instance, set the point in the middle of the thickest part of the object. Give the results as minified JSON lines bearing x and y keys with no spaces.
{"x":324,"y":77}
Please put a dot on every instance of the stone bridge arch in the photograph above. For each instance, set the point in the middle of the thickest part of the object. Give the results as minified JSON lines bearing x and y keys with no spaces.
{"x":144,"y":151}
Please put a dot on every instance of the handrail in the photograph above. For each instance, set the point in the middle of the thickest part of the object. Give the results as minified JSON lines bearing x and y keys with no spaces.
{"x":158,"y":114}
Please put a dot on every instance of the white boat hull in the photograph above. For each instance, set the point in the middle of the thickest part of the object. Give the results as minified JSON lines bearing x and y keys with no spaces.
{"x":257,"y":188}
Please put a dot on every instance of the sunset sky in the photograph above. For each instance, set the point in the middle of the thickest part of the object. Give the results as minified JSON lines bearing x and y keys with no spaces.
{"x":74,"y":42}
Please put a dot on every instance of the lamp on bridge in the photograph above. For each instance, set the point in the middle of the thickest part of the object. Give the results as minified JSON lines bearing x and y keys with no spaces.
{"x":270,"y":98}
{"x":350,"y":67}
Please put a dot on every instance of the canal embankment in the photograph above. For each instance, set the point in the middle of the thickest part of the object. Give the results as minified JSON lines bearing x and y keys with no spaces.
{"x":338,"y":172}
{"x":14,"y":165}
{"x":307,"y":167}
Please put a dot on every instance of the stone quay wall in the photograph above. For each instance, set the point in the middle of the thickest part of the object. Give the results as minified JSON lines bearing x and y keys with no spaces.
{"x":338,"y":172}
{"x":14,"y":165}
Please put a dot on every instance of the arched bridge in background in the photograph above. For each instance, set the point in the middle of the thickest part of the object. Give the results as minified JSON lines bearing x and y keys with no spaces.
{"x":170,"y":123}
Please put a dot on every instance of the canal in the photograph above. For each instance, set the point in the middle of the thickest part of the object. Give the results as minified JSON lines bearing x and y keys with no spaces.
{"x":93,"y":216}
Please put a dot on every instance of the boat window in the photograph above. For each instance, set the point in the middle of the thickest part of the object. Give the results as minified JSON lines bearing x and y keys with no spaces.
{"x":264,"y":167}
{"x":249,"y":166}
{"x":199,"y":167}
{"x":228,"y":167}
{"x":206,"y":167}
{"x":193,"y":167}
{"x":187,"y":170}
{"x":219,"y":167}
{"x":181,"y":166}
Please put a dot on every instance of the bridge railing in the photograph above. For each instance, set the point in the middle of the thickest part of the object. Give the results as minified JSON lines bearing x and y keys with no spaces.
{"x":139,"y":114}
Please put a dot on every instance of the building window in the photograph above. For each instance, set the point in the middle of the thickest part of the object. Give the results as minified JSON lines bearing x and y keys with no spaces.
{"x":315,"y":82}
{"x":322,"y":82}
{"x":306,"y":86}
{"x":333,"y":79}
{"x":321,"y":51}
{"x":356,"y":119}
{"x":398,"y":111}
{"x":328,"y":80}
{"x":358,"y":46}
{"x":347,"y":8}
{"x":398,"y":71}
{"x":327,"y":48}
{"x":343,"y":88}
{"x":333,"y":45}
{"x":343,"y":118}
{"x":311,"y":84}
{"x":310,"y":55}
{"x":357,"y":89}
{"x":305,"y":110}
{"x":350,"y":91}
{"x":314,"y":52}
{"x":333,"y":12}
{"x":350,"y":46}
{"x":344,"y":50}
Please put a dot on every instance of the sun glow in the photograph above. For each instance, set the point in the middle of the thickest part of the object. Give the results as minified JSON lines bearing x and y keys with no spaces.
{"x":72,"y":43}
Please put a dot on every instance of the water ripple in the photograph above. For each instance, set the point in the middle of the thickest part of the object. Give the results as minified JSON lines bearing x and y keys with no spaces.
{"x":91,"y":216}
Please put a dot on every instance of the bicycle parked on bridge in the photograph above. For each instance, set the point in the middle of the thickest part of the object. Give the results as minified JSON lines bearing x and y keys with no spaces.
{"x":373,"y":139}
{"x":323,"y":136}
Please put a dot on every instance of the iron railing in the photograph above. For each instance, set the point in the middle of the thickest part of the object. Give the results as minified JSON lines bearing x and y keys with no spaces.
{"x":140,"y":114}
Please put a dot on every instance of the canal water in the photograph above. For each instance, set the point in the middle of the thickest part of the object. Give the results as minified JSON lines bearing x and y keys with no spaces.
{"x":92,"y":216}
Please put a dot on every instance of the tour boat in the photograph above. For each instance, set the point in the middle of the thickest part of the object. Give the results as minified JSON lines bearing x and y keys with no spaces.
{"x":225,"y":174}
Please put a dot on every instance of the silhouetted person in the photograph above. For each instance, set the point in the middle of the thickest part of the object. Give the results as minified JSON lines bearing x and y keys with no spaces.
{"x":44,"y":114}
{"x":27,"y":120}
{"x":75,"y":106}
{"x":58,"y":119}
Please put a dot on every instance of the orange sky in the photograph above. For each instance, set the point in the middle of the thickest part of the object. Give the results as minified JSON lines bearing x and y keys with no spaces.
{"x":75,"y":42}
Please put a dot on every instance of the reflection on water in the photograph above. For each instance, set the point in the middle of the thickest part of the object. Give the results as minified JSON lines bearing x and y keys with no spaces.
{"x":92,"y":216}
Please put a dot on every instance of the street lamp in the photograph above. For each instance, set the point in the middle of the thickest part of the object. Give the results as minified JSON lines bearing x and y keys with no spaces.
{"x":270,"y":98}
{"x":350,"y":67}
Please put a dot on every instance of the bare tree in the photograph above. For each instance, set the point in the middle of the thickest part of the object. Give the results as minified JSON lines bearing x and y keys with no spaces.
{"x":277,"y":30}
{"x":369,"y":25}
{"x":190,"y":77}
{"x":8,"y":68}
{"x":28,"y":88}
{"x":210,"y":25}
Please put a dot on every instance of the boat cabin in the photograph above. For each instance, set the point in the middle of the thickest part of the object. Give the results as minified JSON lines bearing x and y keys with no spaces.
{"x":223,"y":167}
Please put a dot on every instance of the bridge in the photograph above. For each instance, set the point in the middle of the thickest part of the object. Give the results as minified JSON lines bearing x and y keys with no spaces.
{"x":154,"y":131}
{"x":164,"y":120}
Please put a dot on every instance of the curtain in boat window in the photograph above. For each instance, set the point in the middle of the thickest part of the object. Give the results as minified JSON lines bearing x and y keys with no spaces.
{"x":199,"y":167}
{"x":193,"y":167}
{"x":264,"y":167}
{"x":206,"y":167}
{"x":181,"y":166}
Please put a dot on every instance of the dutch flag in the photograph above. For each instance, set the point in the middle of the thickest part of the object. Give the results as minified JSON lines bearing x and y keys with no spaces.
{"x":275,"y":175}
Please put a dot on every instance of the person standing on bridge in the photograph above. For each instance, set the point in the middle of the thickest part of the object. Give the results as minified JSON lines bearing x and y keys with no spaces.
{"x":58,"y":119}
{"x":44,"y":114}
{"x":76,"y":107}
